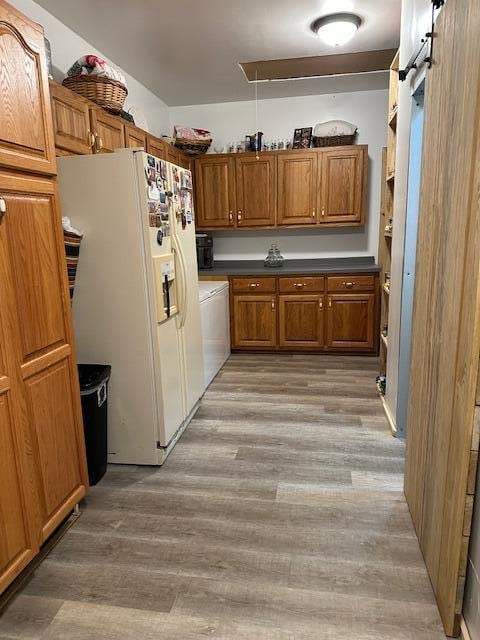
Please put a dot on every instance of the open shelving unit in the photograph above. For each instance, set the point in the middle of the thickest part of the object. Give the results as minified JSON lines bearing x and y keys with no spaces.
{"x":387,"y":226}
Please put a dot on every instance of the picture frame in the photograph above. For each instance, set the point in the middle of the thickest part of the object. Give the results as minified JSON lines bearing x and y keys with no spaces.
{"x":302,"y":138}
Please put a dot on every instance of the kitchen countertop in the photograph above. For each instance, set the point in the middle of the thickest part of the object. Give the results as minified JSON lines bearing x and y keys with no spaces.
{"x":291,"y":267}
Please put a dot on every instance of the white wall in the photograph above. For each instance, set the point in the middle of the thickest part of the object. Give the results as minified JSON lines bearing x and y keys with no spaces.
{"x":67,"y":47}
{"x":277,"y":118}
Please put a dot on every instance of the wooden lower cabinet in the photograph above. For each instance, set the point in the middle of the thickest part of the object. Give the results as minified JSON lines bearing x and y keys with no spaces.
{"x":254,"y":321}
{"x":301,"y":321}
{"x":351,"y":321}
{"x":305,"y":313}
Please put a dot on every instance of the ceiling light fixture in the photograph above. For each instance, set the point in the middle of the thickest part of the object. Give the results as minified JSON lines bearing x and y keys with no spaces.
{"x":337,"y":28}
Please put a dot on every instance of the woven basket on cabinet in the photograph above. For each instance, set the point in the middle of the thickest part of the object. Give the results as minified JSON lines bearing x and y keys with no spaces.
{"x":107,"y":93}
{"x":333,"y":141}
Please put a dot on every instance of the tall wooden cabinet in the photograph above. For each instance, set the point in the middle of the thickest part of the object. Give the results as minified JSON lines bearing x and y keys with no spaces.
{"x":43,"y":470}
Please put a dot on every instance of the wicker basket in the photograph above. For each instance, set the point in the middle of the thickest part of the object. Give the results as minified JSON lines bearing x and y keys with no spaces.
{"x":193,"y":147}
{"x":333,"y":141}
{"x":107,"y":93}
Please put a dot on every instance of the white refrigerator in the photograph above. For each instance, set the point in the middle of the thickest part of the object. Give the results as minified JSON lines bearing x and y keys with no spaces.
{"x":136,"y":303}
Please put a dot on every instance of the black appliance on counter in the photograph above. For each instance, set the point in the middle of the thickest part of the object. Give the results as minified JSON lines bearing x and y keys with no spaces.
{"x":204,"y":251}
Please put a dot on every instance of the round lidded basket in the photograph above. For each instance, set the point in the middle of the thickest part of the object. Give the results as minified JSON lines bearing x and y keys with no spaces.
{"x":107,"y":93}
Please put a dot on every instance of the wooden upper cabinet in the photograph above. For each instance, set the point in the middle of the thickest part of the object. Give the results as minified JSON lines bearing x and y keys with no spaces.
{"x":254,"y":321}
{"x":351,"y":321}
{"x":172,"y":154}
{"x":297,"y":189}
{"x":134,"y":137}
{"x":184,"y":161}
{"x":255,"y":190}
{"x":215,"y":192}
{"x":45,"y":359}
{"x":71,"y":122}
{"x":343,"y":177}
{"x":156,"y":147}
{"x":109,"y":131}
{"x":26,"y":132}
{"x":301,"y":324}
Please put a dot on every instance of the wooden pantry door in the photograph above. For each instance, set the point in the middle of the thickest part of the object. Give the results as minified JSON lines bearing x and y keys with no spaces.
{"x":45,"y":358}
{"x":19,"y":534}
{"x":440,"y":455}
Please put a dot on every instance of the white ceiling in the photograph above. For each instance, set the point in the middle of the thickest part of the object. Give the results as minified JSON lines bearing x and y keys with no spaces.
{"x":187,"y":51}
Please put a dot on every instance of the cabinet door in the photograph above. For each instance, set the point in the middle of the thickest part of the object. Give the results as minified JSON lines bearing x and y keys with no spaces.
{"x":301,"y":324}
{"x":255,"y":180}
{"x":172,"y":154}
{"x":297,"y":189}
{"x":18,"y":542}
{"x":108,"y":130}
{"x":254,"y":321}
{"x":184,"y":161}
{"x":215,"y":192}
{"x":26,"y":132}
{"x":351,"y":321}
{"x":156,"y":147}
{"x":71,"y":122}
{"x":134,"y":137}
{"x":342,"y":177}
{"x":46,"y":359}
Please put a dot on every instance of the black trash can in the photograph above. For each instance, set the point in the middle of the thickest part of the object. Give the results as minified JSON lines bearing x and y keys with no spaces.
{"x":93,"y":390}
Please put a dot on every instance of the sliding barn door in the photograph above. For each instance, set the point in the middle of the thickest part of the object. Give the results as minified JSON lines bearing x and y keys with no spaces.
{"x":445,"y":340}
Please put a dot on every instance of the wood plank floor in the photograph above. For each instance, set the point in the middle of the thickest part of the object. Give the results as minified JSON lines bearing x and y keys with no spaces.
{"x":279,"y":516}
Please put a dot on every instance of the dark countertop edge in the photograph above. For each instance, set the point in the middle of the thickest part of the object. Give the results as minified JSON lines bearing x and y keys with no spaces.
{"x":293,"y":267}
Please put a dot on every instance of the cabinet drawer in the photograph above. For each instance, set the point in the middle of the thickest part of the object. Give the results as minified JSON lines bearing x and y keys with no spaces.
{"x":351,"y":283}
{"x":253,"y":285}
{"x":302,"y":284}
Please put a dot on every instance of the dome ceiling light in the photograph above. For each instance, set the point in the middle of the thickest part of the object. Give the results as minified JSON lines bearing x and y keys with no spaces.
{"x":337,"y":28}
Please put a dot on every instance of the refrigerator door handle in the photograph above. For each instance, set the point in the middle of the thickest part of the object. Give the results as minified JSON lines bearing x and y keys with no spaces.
{"x":183,"y":272}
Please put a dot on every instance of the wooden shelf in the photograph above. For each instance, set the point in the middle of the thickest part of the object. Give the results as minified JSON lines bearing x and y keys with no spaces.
{"x":384,"y":340}
{"x":386,"y":289}
{"x":392,"y":119}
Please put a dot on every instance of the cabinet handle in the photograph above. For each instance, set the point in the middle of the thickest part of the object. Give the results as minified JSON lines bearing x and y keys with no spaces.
{"x":3,"y":209}
{"x":313,"y":213}
{"x":329,"y":303}
{"x":323,"y":211}
{"x":348,"y":285}
{"x":230,"y":216}
{"x":254,"y":284}
{"x":273,"y":305}
{"x":320,"y":304}
{"x":239,"y":215}
{"x":91,"y":139}
{"x":299,"y":285}
{"x":98,"y":143}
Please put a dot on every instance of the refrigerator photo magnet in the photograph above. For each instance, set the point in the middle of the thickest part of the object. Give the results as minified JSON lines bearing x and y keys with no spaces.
{"x":153,"y":192}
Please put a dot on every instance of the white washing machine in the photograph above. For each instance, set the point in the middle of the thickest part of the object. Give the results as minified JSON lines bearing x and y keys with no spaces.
{"x":215,"y":317}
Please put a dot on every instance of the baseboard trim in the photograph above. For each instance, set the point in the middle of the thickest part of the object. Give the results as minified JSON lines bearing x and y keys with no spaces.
{"x":464,"y":634}
{"x":391,"y":421}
